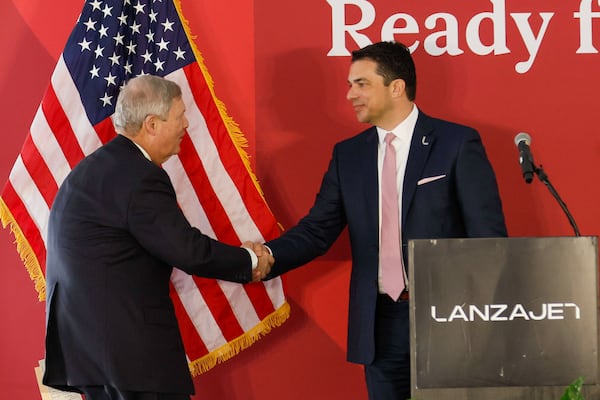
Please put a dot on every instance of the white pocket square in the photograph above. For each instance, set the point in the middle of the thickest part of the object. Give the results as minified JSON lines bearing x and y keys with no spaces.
{"x":429,"y":179}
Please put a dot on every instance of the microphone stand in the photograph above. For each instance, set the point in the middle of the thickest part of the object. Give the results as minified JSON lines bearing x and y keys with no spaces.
{"x":544,"y":179}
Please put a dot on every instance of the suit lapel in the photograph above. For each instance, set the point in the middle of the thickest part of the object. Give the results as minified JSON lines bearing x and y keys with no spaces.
{"x":420,"y":146}
{"x":369,"y":168}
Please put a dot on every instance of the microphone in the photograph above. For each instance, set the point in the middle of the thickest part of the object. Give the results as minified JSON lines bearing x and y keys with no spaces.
{"x":522,"y":140}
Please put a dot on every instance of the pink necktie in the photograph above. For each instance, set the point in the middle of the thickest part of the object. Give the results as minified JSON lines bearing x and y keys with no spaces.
{"x":392,"y":274}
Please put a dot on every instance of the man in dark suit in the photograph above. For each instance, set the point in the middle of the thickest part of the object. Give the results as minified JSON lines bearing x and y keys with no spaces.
{"x":447,"y":190}
{"x":114,"y":233}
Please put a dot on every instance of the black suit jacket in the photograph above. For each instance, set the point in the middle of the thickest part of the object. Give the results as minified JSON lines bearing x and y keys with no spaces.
{"x":449,"y":191}
{"x":114,"y":233}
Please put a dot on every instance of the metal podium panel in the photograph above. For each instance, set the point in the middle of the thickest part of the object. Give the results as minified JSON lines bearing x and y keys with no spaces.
{"x":503,"y":312}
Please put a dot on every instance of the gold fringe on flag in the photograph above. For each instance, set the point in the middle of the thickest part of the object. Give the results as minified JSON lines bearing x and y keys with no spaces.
{"x":25,"y":251}
{"x":233,"y":347}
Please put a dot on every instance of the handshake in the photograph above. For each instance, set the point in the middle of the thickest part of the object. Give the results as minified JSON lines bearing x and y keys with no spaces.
{"x":265,"y":260}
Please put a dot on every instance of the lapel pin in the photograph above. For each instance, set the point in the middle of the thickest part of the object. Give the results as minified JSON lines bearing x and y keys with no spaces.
{"x":424,"y":141}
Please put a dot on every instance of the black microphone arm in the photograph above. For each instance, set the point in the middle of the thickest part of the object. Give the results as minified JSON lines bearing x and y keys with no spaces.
{"x":522,"y":140}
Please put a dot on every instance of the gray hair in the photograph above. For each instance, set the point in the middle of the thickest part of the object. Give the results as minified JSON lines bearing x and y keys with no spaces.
{"x":142,"y":96}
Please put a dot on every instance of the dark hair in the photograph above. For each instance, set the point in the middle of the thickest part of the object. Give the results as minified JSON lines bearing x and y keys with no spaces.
{"x":393,"y":62}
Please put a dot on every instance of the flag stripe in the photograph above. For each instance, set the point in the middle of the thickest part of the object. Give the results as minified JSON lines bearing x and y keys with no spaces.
{"x":193,"y":300}
{"x":26,"y":224}
{"x":275,"y":290}
{"x":251,"y":197}
{"x":69,"y":98}
{"x":197,"y":160}
{"x":242,"y":305}
{"x":188,"y":201}
{"x":219,"y":307}
{"x":39,"y":171}
{"x":59,"y":122}
{"x":259,"y":297}
{"x":206,"y":148}
{"x":105,"y":130}
{"x":31,"y":197}
{"x":48,"y":148}
{"x":217,"y":217}
{"x":194,"y":345}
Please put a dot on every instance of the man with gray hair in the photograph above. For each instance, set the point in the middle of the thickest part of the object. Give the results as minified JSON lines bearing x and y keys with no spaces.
{"x":115,"y":232}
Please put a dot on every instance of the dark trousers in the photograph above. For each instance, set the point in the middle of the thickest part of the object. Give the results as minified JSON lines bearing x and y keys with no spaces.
{"x":111,"y":393}
{"x":388,"y":377}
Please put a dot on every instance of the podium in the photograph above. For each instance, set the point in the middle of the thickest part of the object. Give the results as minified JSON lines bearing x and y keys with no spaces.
{"x":503,"y":318}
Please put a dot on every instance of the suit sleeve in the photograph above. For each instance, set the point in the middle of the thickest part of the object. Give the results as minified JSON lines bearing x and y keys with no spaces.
{"x":477,"y":191}
{"x":158,"y":223}
{"x":317,"y":231}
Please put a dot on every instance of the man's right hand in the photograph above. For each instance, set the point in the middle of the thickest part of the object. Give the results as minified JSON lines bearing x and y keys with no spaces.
{"x":265,"y":262}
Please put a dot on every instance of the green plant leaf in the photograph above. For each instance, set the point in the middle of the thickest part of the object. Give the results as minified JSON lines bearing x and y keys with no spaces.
{"x":573,"y":391}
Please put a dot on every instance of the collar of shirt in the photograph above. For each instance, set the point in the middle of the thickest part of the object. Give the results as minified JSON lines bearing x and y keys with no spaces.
{"x":404,"y":129}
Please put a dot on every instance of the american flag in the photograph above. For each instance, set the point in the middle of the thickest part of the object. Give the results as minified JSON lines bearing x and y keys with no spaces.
{"x":112,"y":42}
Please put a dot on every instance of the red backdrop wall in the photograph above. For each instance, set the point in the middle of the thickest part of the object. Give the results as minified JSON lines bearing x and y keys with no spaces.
{"x":270,"y":62}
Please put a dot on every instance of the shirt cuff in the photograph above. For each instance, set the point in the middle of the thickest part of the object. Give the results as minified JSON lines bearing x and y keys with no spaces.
{"x":268,"y":248}
{"x":253,"y":257}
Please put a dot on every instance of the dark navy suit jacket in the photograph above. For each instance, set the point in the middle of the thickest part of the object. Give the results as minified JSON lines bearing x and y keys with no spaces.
{"x":114,"y":233}
{"x":463,"y":203}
